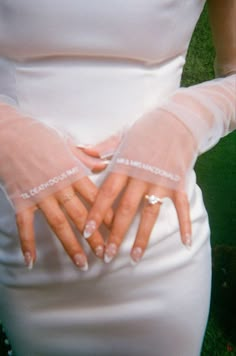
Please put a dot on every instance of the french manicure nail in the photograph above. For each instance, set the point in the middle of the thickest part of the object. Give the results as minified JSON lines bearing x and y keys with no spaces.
{"x":188,"y":241}
{"x":106,"y":161}
{"x":81,"y":261}
{"x":106,"y":155}
{"x":110,"y":253}
{"x":81,"y":145}
{"x":89,"y":229}
{"x":99,"y":251}
{"x":28,"y":260}
{"x":136,"y":255}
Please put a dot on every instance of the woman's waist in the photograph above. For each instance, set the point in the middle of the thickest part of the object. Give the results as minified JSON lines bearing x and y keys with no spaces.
{"x":92,"y":99}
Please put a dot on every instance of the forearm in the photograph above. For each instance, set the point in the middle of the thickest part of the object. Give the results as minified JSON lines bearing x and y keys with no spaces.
{"x":222,"y":14}
{"x":208,"y":110}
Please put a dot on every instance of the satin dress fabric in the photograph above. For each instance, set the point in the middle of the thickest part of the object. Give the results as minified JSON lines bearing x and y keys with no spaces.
{"x":91,"y":69}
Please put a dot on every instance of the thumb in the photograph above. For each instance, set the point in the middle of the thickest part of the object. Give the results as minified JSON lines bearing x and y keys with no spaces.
{"x":93,"y":163}
{"x":104,"y":149}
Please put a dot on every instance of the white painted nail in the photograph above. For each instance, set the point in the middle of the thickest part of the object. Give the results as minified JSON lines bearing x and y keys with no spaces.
{"x":28,"y":260}
{"x":84,"y":268}
{"x":89,"y":229}
{"x":81,"y":261}
{"x":106,"y":161}
{"x":107,"y":258}
{"x":106,"y":155}
{"x":81,"y":145}
{"x":188,"y":241}
{"x":110,"y":253}
{"x":136,"y":255}
{"x":99,"y":251}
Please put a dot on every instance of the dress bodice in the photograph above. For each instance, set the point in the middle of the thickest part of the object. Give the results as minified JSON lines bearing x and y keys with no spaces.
{"x":77,"y":64}
{"x":148,"y":31}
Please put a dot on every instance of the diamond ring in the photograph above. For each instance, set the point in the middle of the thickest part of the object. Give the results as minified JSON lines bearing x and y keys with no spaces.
{"x":153,"y":199}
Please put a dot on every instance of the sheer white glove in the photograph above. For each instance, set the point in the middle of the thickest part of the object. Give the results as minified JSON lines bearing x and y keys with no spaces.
{"x":35,"y":160}
{"x":41,"y":168}
{"x":162,"y":146}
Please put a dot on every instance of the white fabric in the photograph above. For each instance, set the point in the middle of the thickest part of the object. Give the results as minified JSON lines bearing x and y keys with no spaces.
{"x":91,"y":69}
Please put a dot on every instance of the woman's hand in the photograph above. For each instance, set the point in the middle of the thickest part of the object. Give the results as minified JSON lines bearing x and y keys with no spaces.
{"x":151,"y":151}
{"x":152,"y":161}
{"x":61,"y":208}
{"x":155,"y":158}
{"x":58,"y":209}
{"x":41,"y":169}
{"x":134,"y":193}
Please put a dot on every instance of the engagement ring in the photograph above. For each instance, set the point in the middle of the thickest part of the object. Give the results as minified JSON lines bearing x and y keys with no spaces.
{"x":153,"y":199}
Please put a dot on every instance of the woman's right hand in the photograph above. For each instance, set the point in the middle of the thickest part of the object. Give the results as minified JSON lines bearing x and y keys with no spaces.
{"x":41,"y":169}
{"x":58,"y":209}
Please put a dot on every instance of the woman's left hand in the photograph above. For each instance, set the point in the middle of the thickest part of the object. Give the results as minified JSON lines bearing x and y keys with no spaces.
{"x":134,"y":193}
{"x":155,"y":158}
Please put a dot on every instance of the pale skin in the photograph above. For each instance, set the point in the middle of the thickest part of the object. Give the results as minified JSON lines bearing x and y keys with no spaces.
{"x":57,"y":209}
{"x":222,"y":16}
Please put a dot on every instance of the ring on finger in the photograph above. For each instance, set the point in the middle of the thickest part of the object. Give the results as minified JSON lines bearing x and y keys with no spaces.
{"x":67,"y":197}
{"x":153,"y":199}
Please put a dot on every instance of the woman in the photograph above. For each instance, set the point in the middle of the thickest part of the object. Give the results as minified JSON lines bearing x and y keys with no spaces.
{"x":66,"y":67}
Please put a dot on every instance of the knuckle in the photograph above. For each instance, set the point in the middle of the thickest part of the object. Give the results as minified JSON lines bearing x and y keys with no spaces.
{"x":150,"y":211}
{"x":57,"y":220}
{"x":94,"y":241}
{"x":181,"y":199}
{"x":93,"y":195}
{"x":126,"y":207}
{"x":182,"y":202}
{"x":78,"y":215}
{"x":108,"y":192}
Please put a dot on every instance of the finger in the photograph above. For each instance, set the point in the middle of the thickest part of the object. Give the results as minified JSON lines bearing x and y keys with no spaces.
{"x":25,"y":225}
{"x":105,"y":148}
{"x":61,"y":227}
{"x":125,"y":213}
{"x":89,"y":191}
{"x":183,"y":211}
{"x":107,"y":194}
{"x":78,"y":214}
{"x":148,"y":219}
{"x":95,"y":164}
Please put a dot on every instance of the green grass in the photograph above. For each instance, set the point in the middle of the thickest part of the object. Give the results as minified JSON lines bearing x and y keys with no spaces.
{"x":216,"y":172}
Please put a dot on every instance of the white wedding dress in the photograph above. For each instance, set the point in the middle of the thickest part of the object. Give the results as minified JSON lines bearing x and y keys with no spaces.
{"x":93,"y":68}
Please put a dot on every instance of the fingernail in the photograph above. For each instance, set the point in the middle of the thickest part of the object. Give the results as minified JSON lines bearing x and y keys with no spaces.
{"x":136,"y":255}
{"x":106,"y":161}
{"x":89,"y":229}
{"x":106,"y":155}
{"x":110,"y":253}
{"x":188,"y":241}
{"x":81,"y":145}
{"x":28,"y":260}
{"x":99,"y":251}
{"x":81,"y":261}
